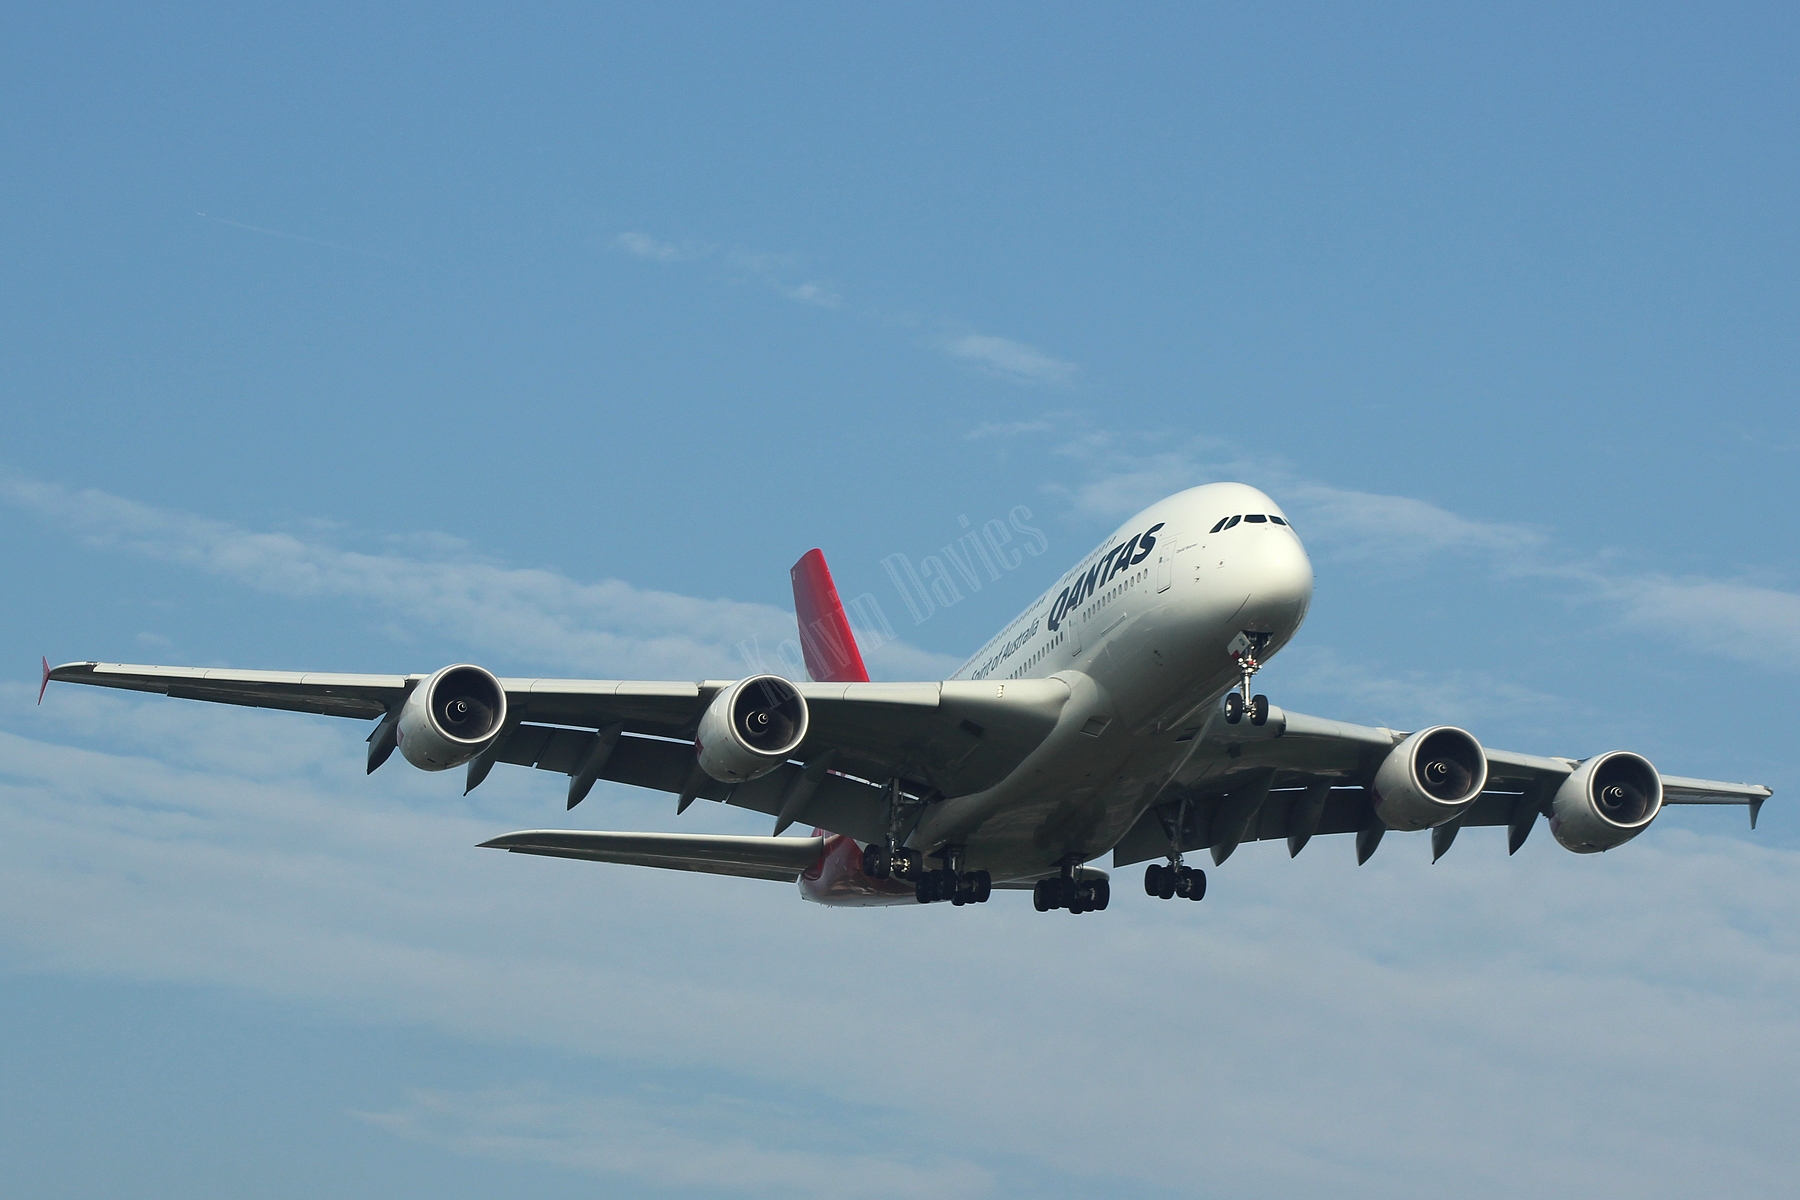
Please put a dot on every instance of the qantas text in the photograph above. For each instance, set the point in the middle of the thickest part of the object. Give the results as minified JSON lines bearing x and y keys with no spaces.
{"x":1128,"y":554}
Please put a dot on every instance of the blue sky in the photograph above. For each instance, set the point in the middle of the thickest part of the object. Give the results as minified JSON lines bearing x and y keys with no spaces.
{"x":354,"y":340}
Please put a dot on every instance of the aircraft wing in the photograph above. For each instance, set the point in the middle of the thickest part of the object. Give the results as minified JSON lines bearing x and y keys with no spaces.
{"x":778,"y":858}
{"x":1298,"y":776}
{"x":957,"y":737}
{"x":365,"y":696}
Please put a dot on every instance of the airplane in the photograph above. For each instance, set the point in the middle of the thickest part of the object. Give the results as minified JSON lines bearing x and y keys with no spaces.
{"x":1115,"y":714}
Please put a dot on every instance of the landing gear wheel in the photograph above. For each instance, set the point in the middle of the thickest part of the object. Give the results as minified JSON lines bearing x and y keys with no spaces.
{"x":1166,"y":882}
{"x":970,"y":887}
{"x":1190,"y":882}
{"x":875,"y":861}
{"x":1075,"y":893}
{"x":1234,"y":708}
{"x":1259,"y":710}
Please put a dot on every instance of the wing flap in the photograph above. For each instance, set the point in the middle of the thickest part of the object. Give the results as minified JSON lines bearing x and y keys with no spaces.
{"x":779,"y":859}
{"x":839,"y":803}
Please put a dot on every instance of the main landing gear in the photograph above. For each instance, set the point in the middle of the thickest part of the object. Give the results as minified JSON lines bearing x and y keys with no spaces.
{"x":971,"y":887}
{"x":1169,"y":880}
{"x":879,"y":862}
{"x":1068,"y":891}
{"x":1245,"y":648}
{"x":951,"y":883}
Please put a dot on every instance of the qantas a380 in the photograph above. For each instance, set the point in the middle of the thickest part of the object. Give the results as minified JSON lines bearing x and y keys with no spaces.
{"x":1114,"y":714}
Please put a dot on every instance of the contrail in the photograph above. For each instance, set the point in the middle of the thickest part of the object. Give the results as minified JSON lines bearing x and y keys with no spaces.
{"x":292,"y":237}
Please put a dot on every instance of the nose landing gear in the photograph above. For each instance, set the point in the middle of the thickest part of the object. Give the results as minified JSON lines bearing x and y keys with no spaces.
{"x":1245,"y":648}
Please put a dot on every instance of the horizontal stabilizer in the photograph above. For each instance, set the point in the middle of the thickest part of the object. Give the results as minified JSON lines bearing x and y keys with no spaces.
{"x":777,"y":858}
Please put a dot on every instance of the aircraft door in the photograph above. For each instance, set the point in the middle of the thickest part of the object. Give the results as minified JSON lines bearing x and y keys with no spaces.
{"x":1165,"y":569}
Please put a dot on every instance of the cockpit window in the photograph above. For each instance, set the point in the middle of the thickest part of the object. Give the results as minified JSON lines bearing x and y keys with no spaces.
{"x":1256,"y":519}
{"x":1232,"y":522}
{"x":1276,"y":519}
{"x":1221,"y":524}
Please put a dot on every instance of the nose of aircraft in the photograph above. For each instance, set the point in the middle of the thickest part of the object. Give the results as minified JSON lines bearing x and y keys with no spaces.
{"x":1272,"y":567}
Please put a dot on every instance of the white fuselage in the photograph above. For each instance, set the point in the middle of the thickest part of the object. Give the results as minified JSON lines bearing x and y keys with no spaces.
{"x":1140,"y":629}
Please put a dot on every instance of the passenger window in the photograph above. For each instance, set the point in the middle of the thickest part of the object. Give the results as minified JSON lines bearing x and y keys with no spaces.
{"x":1255,"y":519}
{"x":1276,"y":519}
{"x":1221,"y":524}
{"x":1232,"y":522}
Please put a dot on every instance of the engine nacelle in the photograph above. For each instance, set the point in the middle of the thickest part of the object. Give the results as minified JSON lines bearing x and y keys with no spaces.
{"x":1610,"y":799}
{"x":750,"y":728}
{"x":451,"y":717}
{"x":1429,"y":778}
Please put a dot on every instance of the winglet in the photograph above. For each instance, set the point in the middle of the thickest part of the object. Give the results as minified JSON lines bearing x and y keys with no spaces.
{"x":825,"y":636}
{"x":46,"y":683}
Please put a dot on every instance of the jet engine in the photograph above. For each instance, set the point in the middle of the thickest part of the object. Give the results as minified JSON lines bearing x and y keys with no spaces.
{"x":1610,"y":799}
{"x":452,"y":716}
{"x":750,"y":728}
{"x":1429,"y":778}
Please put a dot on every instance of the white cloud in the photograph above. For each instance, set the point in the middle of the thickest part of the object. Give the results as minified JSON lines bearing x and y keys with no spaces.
{"x":609,"y":628}
{"x":665,"y":1144}
{"x":1004,"y":358}
{"x":643,"y":245}
{"x":1008,"y":359}
{"x":1007,"y":429}
{"x":1739,"y":618}
{"x":1369,"y":525}
{"x":770,"y":270}
{"x":1120,"y":483}
{"x":1126,"y":473}
{"x":813,"y":293}
{"x":1519,"y":1023}
{"x":1744,"y":619}
{"x":760,"y":262}
{"x":1359,"y":692}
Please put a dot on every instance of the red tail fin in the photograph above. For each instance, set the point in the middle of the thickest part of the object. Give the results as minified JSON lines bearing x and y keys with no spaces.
{"x":825,"y":637}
